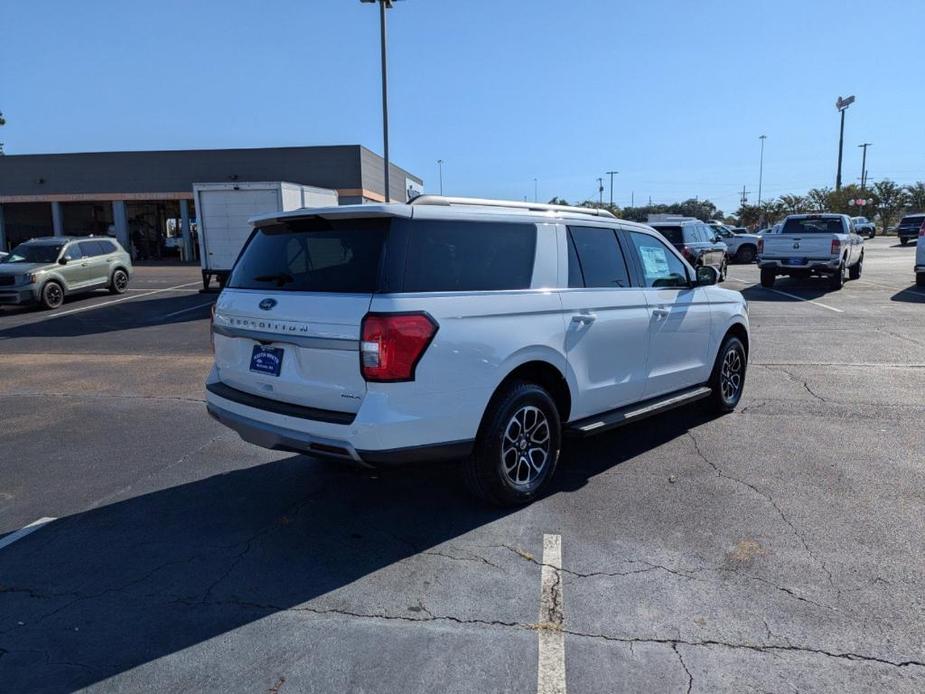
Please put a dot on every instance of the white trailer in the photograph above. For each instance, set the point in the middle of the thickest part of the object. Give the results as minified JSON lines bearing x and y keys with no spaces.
{"x":222,"y":211}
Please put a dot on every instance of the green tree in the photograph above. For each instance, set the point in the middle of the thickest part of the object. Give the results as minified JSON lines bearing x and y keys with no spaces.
{"x":748,"y":215}
{"x":891,"y":200}
{"x":794,"y":204}
{"x":817,"y":199}
{"x":916,"y":193}
{"x":838,"y":200}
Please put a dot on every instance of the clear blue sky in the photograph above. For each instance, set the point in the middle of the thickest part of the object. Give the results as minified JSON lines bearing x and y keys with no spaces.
{"x":672,"y":94}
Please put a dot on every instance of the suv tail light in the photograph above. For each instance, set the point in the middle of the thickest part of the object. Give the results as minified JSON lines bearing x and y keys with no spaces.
{"x":393,"y":344}
{"x":922,"y":230}
{"x":836,"y":246}
{"x":760,"y":245}
{"x":212,"y":328}
{"x":688,"y":253}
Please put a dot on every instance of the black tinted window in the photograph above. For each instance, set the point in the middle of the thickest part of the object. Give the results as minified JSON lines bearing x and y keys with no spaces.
{"x":313,"y":255}
{"x":600,"y":256}
{"x":74,"y":252}
{"x":813,"y":226}
{"x":92,"y":248}
{"x":660,"y":267}
{"x":468,"y":256}
{"x":673,"y":234}
{"x":575,"y":278}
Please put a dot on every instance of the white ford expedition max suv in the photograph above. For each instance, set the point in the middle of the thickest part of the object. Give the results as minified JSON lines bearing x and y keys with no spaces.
{"x":453,"y":328}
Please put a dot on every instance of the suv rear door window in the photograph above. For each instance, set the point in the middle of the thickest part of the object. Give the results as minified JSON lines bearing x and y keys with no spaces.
{"x":660,"y":267}
{"x":313,"y":255}
{"x":457,"y":256}
{"x":673,"y":234}
{"x":600,"y":257}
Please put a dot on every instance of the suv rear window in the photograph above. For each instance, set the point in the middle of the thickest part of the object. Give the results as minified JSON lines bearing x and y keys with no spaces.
{"x":313,"y":255}
{"x":914,"y":219}
{"x":830,"y":225}
{"x":673,"y":234}
{"x":456,"y":256}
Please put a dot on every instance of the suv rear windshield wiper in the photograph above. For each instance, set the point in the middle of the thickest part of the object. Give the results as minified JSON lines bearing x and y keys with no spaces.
{"x":280,"y":278}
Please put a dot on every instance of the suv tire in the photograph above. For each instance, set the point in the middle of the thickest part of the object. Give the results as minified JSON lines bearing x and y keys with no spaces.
{"x":728,"y":377}
{"x":854,"y":272}
{"x":52,"y":295}
{"x":517,"y":447}
{"x":118,"y":283}
{"x":903,"y":241}
{"x":920,"y":279}
{"x":767,"y":278}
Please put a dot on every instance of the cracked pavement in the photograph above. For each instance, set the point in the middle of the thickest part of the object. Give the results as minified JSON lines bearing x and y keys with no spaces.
{"x":779,"y":548}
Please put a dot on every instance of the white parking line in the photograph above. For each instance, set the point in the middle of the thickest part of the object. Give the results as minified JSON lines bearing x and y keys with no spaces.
{"x":22,"y":532}
{"x":117,"y":301}
{"x":187,"y":310}
{"x":792,"y":296}
{"x":550,"y":672}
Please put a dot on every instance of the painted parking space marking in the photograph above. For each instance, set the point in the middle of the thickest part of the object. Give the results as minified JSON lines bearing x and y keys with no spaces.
{"x":550,"y":674}
{"x":118,"y":301}
{"x":188,"y":310}
{"x":27,"y":530}
{"x":792,"y":296}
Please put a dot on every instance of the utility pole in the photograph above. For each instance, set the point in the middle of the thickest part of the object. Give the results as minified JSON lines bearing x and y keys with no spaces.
{"x":383,"y":6}
{"x":536,"y":196}
{"x":864,"y":164}
{"x":600,"y":191}
{"x":761,"y":167}
{"x":745,"y":195}
{"x":440,"y":164}
{"x":611,"y":174}
{"x":842,"y":106}
{"x":632,"y":198}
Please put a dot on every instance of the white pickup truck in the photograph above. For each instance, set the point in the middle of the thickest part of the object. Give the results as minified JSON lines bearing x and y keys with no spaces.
{"x":812,"y":244}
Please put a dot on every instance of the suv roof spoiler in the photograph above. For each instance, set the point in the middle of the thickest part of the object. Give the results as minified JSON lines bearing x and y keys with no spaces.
{"x":510,"y":204}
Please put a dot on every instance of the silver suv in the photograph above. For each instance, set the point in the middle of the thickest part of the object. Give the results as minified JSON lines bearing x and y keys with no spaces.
{"x":45,"y":270}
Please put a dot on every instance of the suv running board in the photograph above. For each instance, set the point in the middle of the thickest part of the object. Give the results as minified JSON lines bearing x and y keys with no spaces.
{"x":633,"y":413}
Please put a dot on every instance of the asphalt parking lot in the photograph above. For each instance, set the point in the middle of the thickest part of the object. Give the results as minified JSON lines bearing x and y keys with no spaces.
{"x":779,"y":548}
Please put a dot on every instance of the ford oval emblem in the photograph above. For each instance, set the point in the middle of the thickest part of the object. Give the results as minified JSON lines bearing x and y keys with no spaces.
{"x":267,"y":304}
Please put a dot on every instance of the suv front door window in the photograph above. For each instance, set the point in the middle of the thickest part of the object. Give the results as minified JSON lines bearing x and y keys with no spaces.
{"x":679,"y":319}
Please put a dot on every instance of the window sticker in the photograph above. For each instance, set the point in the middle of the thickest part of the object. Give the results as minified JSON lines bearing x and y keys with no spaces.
{"x":654,"y":261}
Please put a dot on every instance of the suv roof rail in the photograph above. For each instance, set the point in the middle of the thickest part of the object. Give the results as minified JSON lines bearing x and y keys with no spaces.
{"x":486,"y":202}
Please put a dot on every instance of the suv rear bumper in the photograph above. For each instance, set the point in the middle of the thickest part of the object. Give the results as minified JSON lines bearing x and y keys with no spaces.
{"x":279,"y":438}
{"x":387,"y":429}
{"x":824,"y":266}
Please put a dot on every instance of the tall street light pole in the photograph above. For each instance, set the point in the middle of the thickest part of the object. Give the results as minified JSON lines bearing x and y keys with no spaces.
{"x":600,"y":191}
{"x":536,"y":190}
{"x":611,"y":174}
{"x":761,"y":167}
{"x":864,"y":164}
{"x":440,"y":164}
{"x":383,"y":6}
{"x":842,"y":106}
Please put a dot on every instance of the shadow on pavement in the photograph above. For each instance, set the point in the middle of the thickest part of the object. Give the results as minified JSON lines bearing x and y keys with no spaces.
{"x":98,"y":593}
{"x":125,"y":315}
{"x":806,"y":289}
{"x":912,"y":295}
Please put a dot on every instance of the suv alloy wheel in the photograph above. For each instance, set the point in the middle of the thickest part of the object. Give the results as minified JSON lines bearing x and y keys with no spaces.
{"x":517,"y":448}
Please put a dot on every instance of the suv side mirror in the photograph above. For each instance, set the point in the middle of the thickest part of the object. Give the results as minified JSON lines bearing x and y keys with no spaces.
{"x":706,"y":276}
{"x":62,"y":261}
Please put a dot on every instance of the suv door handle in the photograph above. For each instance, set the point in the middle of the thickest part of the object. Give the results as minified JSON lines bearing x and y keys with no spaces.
{"x":585,"y":318}
{"x":661,"y":312}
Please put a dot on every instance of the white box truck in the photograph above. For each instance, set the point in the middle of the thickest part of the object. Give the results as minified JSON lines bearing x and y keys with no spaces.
{"x":222,"y":211}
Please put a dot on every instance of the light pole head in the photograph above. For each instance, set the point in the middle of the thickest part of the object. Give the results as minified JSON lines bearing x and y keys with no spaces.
{"x":387,"y":3}
{"x":842,"y":104}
